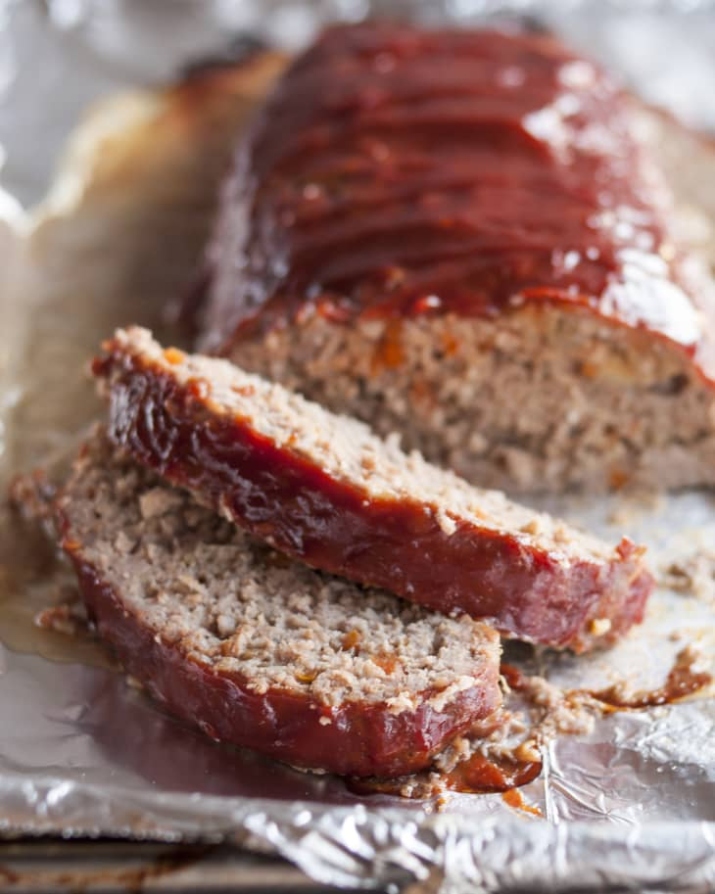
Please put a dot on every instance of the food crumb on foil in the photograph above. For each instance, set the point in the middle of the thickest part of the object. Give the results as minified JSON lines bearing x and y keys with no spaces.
{"x":691,"y":575}
{"x":68,"y":616}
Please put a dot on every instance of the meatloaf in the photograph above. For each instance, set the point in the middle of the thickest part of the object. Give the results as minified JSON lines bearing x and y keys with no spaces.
{"x":462,"y":236}
{"x":257,"y":650}
{"x":326,"y":490}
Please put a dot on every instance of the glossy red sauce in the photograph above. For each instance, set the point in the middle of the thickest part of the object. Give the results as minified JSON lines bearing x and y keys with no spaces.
{"x":476,"y":775}
{"x":513,"y":676}
{"x":482,"y":775}
{"x":398,"y":172}
{"x":515,"y":799}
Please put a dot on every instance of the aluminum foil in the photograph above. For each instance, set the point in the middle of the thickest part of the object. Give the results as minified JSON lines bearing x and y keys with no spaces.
{"x":630,"y":804}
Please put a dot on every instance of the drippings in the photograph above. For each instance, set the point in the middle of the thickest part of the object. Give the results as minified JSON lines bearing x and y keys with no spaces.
{"x":483,"y":775}
{"x":682,"y":681}
{"x":33,"y":581}
{"x":515,"y":799}
{"x":477,"y":774}
{"x":513,"y":676}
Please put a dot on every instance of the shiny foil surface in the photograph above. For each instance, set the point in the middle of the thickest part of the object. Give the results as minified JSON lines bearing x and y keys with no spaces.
{"x":631,"y":803}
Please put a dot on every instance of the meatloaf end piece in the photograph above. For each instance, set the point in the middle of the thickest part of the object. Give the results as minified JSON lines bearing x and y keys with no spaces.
{"x":257,"y":650}
{"x":326,"y":490}
{"x":464,"y":236}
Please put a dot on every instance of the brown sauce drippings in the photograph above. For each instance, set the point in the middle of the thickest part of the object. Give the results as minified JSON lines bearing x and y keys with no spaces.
{"x":476,"y":775}
{"x":484,"y":775}
{"x":473,"y":773}
{"x":515,"y":799}
{"x":682,"y":681}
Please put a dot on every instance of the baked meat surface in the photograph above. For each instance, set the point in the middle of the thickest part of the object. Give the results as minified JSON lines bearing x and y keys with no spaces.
{"x":463,"y":236}
{"x":326,"y":490}
{"x":260,"y":651}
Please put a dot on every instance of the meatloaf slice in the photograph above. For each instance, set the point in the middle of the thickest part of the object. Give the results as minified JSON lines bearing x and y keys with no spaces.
{"x":464,"y":236}
{"x":324,"y":489}
{"x":260,"y":651}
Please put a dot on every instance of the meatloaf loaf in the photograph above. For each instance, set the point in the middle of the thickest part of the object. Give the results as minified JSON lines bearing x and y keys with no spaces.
{"x":324,"y":489}
{"x":257,"y":650}
{"x":462,"y":236}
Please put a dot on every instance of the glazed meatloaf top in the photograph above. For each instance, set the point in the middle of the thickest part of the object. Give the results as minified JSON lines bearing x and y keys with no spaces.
{"x":403,"y":172}
{"x":259,"y":650}
{"x":325,"y":489}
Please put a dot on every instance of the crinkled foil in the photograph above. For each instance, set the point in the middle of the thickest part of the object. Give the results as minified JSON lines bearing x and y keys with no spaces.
{"x":631,"y":804}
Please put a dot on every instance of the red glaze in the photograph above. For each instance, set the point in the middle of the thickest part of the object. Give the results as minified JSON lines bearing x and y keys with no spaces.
{"x":361,"y":740}
{"x":396,"y":172}
{"x":525,"y":590}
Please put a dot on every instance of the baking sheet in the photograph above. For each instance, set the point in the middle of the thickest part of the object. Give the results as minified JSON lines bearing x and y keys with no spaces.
{"x":633,"y":802}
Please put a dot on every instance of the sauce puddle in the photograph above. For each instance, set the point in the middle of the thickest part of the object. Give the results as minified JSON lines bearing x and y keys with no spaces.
{"x":480,"y":775}
{"x":682,"y":681}
{"x":36,"y":592}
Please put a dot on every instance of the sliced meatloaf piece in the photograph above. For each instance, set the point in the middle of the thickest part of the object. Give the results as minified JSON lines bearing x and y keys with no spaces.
{"x":324,"y":489}
{"x":463,"y":236}
{"x":257,"y":650}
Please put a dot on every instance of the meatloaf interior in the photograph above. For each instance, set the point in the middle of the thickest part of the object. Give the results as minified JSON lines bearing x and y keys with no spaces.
{"x":538,"y":400}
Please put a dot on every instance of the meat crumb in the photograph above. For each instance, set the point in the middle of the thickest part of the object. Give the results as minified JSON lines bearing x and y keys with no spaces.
{"x":68,"y":616}
{"x":32,"y":495}
{"x":693,"y":575}
{"x":557,"y":711}
{"x":68,"y":619}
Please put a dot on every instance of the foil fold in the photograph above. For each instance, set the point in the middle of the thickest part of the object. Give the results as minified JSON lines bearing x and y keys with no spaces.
{"x":358,"y":846}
